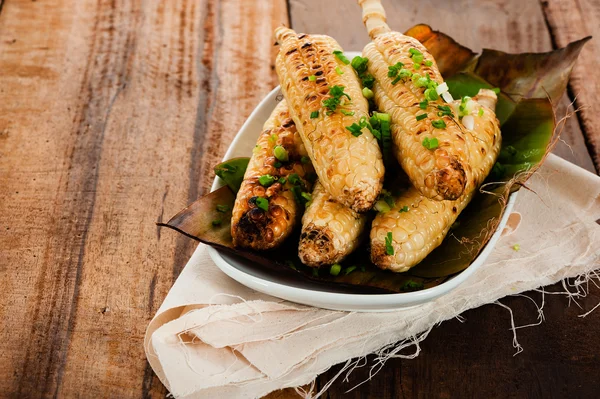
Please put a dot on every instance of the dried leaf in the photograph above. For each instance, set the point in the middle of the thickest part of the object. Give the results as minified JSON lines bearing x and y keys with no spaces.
{"x":527,"y":128}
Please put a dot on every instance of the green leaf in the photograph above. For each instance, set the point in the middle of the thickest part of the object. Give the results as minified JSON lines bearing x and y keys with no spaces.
{"x":232,"y":172}
{"x":527,"y":124}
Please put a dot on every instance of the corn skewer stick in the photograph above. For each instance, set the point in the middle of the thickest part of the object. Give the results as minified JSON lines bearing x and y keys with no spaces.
{"x":350,"y":168}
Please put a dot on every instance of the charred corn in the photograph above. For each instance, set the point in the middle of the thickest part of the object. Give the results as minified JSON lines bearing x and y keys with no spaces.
{"x":330,"y":230}
{"x":325,"y":98}
{"x":267,"y":206}
{"x":408,"y":87}
{"x":403,"y":236}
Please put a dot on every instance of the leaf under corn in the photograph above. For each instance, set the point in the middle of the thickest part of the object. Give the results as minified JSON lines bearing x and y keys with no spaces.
{"x":526,"y":115}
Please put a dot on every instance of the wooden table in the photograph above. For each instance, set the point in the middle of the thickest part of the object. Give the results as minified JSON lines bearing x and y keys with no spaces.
{"x":112,"y":114}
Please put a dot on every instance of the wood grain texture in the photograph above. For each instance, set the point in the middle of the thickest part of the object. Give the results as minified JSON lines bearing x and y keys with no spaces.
{"x":475,"y":359}
{"x":112,"y":113}
{"x":569,"y":20}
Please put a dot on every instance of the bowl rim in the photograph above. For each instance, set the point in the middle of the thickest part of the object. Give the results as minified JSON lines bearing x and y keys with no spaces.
{"x":343,"y":301}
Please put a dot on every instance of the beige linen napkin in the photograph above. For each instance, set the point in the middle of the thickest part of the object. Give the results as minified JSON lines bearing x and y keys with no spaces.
{"x":214,"y":338}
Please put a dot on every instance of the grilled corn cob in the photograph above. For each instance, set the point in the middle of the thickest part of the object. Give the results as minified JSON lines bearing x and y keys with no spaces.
{"x":407,"y":79}
{"x":330,"y":230}
{"x":311,"y":76}
{"x":416,"y":225}
{"x":265,"y":209}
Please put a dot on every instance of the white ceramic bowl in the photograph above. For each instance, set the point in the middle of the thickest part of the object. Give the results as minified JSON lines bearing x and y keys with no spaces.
{"x":255,"y":277}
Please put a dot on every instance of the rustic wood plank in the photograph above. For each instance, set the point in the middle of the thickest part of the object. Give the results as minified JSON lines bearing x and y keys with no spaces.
{"x":475,"y":359}
{"x":112,"y":114}
{"x":570,"y":21}
{"x":513,"y":26}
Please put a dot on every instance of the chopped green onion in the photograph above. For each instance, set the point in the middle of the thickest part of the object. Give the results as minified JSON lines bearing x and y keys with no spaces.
{"x":294,"y":178}
{"x":305,"y":160}
{"x":389,"y":249}
{"x":412,"y":285}
{"x":216,"y":222}
{"x":496,"y":90}
{"x":339,"y":71}
{"x":413,"y":51}
{"x":349,"y":270}
{"x":282,"y":180}
{"x":516,"y":247}
{"x":340,"y":56}
{"x":273,"y":138}
{"x":430,"y":144}
{"x":314,"y":114}
{"x":347,"y":113}
{"x":396,"y":80}
{"x":360,"y":64}
{"x":368,"y":80}
{"x":278,"y":164}
{"x":431,"y":94}
{"x":355,"y":129}
{"x":222,"y":208}
{"x":262,"y":203}
{"x":281,"y":153}
{"x":381,"y":206}
{"x":266,"y":180}
{"x":383,"y":117}
{"x":312,"y":78}
{"x":428,"y":63}
{"x":421,"y":117}
{"x":423,"y":104}
{"x":367,"y":93}
{"x":394,"y":69}
{"x":462,"y":108}
{"x":480,"y":113}
{"x":438,"y":124}
{"x":417,"y":66}
{"x":336,"y":268}
{"x":403,"y":209}
{"x":306,"y":196}
{"x":445,"y":110}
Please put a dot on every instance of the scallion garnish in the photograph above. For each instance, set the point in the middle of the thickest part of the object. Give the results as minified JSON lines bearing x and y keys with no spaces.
{"x":262,"y":203}
{"x":367,"y":93}
{"x":438,"y":124}
{"x":360,"y":64}
{"x":340,"y":56}
{"x":266,"y":180}
{"x":428,"y":63}
{"x":480,"y":113}
{"x":403,"y":209}
{"x":314,"y":114}
{"x":312,"y":78}
{"x":421,"y":117}
{"x":305,"y":160}
{"x":339,"y":71}
{"x":347,"y":113}
{"x":216,"y":222}
{"x":349,"y":270}
{"x":430,"y":144}
{"x":516,"y":247}
{"x":278,"y":164}
{"x":335,"y":269}
{"x":394,"y":69}
{"x":282,"y":180}
{"x":423,"y":104}
{"x":281,"y":153}
{"x":389,"y":249}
